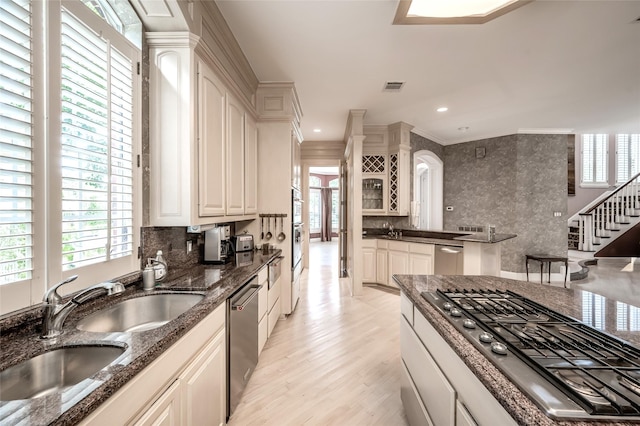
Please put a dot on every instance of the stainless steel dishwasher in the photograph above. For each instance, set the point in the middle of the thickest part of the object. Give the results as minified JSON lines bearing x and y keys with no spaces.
{"x":242,"y":340}
{"x":448,"y":260}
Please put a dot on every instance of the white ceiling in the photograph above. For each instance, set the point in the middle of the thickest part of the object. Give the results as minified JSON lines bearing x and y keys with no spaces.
{"x":549,"y":66}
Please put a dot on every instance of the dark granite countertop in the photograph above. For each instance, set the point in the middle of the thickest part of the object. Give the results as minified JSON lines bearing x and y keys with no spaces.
{"x":566,"y":301}
{"x":435,"y":237}
{"x":482,"y":238}
{"x":19,"y":341}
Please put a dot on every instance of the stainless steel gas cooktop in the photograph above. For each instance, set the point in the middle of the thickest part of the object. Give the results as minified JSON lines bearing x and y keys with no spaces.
{"x":570,"y":370}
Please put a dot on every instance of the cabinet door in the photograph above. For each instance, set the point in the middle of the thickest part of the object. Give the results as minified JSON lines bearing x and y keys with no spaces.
{"x":382,"y":259}
{"x":398,"y":264}
{"x":205,"y":388}
{"x":211,"y":143}
{"x":235,"y":157}
{"x":420,"y":264}
{"x":263,"y":332}
{"x":369,"y":265}
{"x":250,"y":166}
{"x":165,"y":411}
{"x":273,"y":317}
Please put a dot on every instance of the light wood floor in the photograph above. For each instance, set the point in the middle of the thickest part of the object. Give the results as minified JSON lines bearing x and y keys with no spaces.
{"x":334,"y":361}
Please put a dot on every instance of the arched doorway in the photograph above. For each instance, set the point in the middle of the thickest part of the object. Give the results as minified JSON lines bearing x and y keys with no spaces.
{"x":428,"y":180}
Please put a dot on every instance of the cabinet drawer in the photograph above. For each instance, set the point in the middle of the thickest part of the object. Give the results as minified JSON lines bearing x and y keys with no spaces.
{"x":263,"y":331}
{"x":436,"y":393}
{"x":263,"y":275}
{"x":368,"y":243}
{"x":399,"y":246}
{"x":422,"y":248}
{"x":263,"y":301}
{"x":383,"y":244}
{"x":406,"y":307}
{"x":273,"y":294}
{"x":273,"y":317}
{"x":413,"y":407}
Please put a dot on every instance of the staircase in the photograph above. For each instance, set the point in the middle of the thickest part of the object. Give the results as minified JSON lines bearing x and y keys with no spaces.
{"x":608,"y":218}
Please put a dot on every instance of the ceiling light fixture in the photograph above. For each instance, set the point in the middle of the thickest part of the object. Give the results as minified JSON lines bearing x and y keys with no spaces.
{"x":463,"y":128}
{"x":453,"y":11}
{"x":317,"y":130}
{"x":442,"y":109}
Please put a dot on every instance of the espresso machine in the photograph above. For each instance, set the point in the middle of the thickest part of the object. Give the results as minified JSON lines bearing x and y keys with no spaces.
{"x":217,"y":245}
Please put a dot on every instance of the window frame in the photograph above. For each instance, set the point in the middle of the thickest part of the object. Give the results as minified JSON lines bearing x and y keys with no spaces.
{"x":629,"y":141}
{"x":47,"y":222}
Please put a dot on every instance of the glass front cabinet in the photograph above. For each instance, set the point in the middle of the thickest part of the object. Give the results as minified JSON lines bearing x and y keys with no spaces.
{"x":374,"y":184}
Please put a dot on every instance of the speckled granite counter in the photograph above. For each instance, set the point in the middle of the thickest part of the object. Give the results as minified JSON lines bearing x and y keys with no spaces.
{"x":437,"y":237}
{"x":566,"y":301}
{"x":19,"y":341}
{"x":482,"y":238}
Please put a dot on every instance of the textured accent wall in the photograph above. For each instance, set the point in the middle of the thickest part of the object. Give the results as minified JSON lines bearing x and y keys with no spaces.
{"x":516,"y":186}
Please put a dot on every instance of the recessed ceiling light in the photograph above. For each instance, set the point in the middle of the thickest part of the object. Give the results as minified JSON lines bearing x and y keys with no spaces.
{"x":317,"y":130}
{"x":463,"y":128}
{"x":442,"y":109}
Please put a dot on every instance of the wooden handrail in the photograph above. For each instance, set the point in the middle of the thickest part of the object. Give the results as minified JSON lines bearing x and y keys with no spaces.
{"x":611,"y":195}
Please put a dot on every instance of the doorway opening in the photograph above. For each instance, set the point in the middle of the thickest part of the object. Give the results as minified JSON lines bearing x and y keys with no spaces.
{"x":324,"y":207}
{"x":426,"y":211}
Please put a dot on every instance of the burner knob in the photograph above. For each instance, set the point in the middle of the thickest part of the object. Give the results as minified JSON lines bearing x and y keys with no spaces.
{"x":486,"y":337}
{"x":447,"y":306}
{"x":469,"y":323}
{"x":456,"y":312}
{"x":499,"y":348}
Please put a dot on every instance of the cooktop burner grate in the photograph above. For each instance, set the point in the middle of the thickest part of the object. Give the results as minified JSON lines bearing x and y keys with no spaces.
{"x":599,"y":372}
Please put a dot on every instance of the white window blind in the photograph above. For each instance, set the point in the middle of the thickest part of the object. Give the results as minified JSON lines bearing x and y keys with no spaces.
{"x":16,"y":221}
{"x":96,"y":151}
{"x":594,"y":159}
{"x":315,"y":210}
{"x":627,"y":156}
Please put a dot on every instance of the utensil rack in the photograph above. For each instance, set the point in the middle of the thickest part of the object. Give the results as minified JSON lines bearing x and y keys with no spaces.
{"x":273,"y":215}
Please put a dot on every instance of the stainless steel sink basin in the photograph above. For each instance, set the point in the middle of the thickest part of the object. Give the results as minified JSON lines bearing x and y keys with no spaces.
{"x":54,"y":370}
{"x":140,"y":314}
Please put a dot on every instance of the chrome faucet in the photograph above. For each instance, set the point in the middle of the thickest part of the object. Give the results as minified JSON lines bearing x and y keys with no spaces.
{"x":55,"y":312}
{"x":393,"y":233}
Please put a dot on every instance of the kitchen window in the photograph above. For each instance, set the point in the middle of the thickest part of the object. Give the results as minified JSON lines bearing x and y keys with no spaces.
{"x":81,"y":214}
{"x":594,"y":160}
{"x":627,"y":157}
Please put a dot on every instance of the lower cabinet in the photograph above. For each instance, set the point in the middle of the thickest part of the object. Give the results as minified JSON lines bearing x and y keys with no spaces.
{"x":369,"y":265}
{"x":381,"y":259}
{"x":274,"y":303}
{"x":185,"y":385}
{"x":263,"y":308}
{"x":398,"y":264}
{"x":437,"y":387}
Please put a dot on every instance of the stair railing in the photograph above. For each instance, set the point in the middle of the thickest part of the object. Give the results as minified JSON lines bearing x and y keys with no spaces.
{"x":597,"y":221}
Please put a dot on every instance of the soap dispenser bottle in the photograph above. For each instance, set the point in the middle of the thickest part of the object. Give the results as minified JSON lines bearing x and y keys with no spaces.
{"x":149,"y":276}
{"x":160,"y":266}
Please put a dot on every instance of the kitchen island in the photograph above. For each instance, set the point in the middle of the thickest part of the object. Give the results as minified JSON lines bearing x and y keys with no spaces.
{"x":476,"y":391}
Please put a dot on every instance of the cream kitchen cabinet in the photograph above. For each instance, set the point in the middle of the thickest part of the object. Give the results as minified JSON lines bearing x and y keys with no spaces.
{"x":187,"y":382}
{"x":421,"y":259}
{"x":211,"y":107}
{"x":250,"y":165}
{"x":369,"y":260}
{"x":263,"y":308}
{"x":196,"y":138}
{"x":398,"y":260}
{"x":382,"y":262}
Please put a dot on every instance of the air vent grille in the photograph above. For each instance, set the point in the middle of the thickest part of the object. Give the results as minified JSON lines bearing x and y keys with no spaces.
{"x":393,"y":86}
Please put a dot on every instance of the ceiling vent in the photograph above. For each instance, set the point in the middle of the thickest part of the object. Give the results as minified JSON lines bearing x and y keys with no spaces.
{"x":393,"y":86}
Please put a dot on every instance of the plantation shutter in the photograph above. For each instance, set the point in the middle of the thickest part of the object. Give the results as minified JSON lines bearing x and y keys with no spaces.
{"x":96,"y":148}
{"x":594,"y":158}
{"x":628,"y":156}
{"x":16,"y":215}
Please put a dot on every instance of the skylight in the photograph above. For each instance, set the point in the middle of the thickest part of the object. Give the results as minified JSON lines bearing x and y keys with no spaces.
{"x":453,"y":11}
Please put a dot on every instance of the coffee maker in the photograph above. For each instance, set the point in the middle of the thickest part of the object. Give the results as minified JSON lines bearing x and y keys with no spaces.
{"x":217,"y":245}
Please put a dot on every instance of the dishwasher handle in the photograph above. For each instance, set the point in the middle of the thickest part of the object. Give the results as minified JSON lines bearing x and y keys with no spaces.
{"x":453,"y":250}
{"x":243,"y":300}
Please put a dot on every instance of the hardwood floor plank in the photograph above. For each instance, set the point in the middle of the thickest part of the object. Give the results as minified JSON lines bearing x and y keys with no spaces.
{"x":335,"y":360}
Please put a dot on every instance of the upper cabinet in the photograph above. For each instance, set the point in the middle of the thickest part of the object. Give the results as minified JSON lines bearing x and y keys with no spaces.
{"x":386,"y":170}
{"x":199,"y":136}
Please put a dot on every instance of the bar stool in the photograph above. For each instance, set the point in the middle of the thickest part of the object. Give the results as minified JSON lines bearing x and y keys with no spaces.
{"x":548,"y":259}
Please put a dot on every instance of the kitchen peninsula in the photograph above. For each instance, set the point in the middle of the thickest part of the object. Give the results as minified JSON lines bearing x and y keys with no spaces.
{"x":424,"y":252}
{"x":465,"y":387}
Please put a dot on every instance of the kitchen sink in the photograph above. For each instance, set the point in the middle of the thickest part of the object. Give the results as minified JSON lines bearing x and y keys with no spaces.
{"x":140,"y":314}
{"x":53,"y":370}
